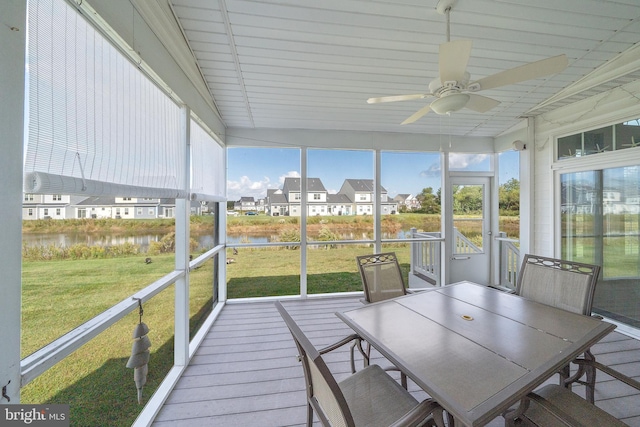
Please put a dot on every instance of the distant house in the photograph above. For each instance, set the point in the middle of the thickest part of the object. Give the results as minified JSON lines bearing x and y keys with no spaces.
{"x":118,"y":208}
{"x":361,"y":192}
{"x":276,"y":203}
{"x":409,"y":201}
{"x":48,"y":206}
{"x":354,"y":198}
{"x":316,"y":196}
{"x":245,"y":204}
{"x":339,"y":204}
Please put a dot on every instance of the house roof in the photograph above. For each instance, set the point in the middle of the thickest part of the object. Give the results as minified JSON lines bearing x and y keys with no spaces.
{"x":293,"y":184}
{"x":277,"y":198}
{"x":338,"y":199}
{"x":100,"y":201}
{"x":365,"y":185}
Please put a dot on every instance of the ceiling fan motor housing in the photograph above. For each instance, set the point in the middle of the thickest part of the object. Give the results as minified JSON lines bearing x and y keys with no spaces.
{"x":437,"y":88}
{"x":450,"y":102}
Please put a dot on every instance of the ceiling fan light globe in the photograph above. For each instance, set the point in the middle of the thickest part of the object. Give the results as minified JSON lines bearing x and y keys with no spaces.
{"x":450,"y":103}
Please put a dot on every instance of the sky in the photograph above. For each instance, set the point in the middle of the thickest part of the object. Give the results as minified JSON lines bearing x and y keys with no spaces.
{"x":251,"y":171}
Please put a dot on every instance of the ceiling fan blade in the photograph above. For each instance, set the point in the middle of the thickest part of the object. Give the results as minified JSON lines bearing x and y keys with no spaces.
{"x":453,"y":59}
{"x":396,"y":98}
{"x":480,"y":103}
{"x":421,"y":112}
{"x":532,"y":70}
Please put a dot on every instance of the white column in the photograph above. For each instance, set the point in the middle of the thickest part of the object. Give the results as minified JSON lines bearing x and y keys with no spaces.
{"x":495,"y":220}
{"x":446,"y":219}
{"x":13,"y":33}
{"x":303,"y":222}
{"x":377,"y":202}
{"x":527,"y":159}
{"x":221,"y":229}
{"x":183,"y":211}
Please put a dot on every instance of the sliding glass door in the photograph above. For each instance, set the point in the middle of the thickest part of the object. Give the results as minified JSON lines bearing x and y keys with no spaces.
{"x":600,"y":224}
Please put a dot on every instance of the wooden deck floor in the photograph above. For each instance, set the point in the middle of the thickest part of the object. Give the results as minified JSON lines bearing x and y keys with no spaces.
{"x":246,"y":372}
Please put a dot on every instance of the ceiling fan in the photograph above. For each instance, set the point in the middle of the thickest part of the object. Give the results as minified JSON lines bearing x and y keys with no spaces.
{"x":453,"y":89}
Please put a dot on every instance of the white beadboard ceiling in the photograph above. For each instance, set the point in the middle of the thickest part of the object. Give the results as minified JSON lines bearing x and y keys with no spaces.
{"x":312,"y":64}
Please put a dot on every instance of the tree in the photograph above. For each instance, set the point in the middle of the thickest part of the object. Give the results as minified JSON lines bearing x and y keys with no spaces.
{"x":429,"y":202}
{"x":467,"y":199}
{"x":509,"y":196}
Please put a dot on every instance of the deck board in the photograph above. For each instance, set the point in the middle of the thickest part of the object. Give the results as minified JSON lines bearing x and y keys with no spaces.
{"x":246,"y":373}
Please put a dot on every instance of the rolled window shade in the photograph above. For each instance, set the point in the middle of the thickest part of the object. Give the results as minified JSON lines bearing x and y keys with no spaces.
{"x":200,"y":197}
{"x":207,"y":166}
{"x":45,"y":183}
{"x":97,"y":124}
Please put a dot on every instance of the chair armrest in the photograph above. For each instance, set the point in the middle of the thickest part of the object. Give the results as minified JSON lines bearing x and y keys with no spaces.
{"x":554,"y":411}
{"x":357,"y":342}
{"x":554,"y":405}
{"x":417,"y":415}
{"x":609,"y":371}
{"x":338,"y":344}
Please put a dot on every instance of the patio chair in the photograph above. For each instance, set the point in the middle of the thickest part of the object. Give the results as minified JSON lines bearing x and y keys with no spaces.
{"x":567,"y":285}
{"x":381,"y":277}
{"x":381,"y":280}
{"x":559,"y":283}
{"x":370,"y":397}
{"x":554,"y":405}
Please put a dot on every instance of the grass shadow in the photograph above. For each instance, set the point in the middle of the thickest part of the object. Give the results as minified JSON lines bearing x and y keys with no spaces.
{"x":107,"y":396}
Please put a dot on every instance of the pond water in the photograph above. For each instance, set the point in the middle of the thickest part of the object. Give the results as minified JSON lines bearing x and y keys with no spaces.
{"x":143,"y":240}
{"x":99,"y":239}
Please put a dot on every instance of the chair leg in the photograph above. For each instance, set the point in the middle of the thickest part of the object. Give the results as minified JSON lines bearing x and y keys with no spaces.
{"x":450,"y":420}
{"x":590,"y":383}
{"x":403,"y":380}
{"x":565,"y":373}
{"x":364,"y":351}
{"x":587,"y":370}
{"x":512,"y":416}
{"x":309,"y":415}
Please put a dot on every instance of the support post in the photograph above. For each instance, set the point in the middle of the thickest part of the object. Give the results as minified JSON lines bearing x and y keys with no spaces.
{"x":13,"y":34}
{"x":181,"y":338}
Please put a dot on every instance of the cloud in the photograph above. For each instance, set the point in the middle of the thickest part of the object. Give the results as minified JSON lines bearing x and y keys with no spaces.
{"x":463,"y":161}
{"x":432,"y":171}
{"x":245,"y":187}
{"x":457,"y":161}
{"x":290,"y":174}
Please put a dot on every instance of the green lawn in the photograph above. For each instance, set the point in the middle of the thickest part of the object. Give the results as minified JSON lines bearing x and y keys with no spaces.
{"x":59,"y":295}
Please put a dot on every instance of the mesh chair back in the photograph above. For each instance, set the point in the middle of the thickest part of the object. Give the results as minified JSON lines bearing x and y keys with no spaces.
{"x":381,"y":276}
{"x":563,"y":284}
{"x":323,"y":392}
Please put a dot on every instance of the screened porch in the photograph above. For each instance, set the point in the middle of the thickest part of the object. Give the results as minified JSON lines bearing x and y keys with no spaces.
{"x":151,"y":100}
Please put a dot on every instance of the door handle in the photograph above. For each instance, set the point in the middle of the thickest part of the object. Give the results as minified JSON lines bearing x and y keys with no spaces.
{"x":457,"y":258}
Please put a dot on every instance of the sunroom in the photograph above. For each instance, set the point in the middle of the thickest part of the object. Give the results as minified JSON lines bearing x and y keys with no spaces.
{"x":183,"y":99}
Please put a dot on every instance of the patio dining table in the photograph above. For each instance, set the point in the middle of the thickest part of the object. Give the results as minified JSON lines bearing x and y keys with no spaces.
{"x":474,"y":349}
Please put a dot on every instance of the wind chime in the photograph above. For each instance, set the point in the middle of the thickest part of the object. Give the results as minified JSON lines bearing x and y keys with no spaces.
{"x":140,"y":353}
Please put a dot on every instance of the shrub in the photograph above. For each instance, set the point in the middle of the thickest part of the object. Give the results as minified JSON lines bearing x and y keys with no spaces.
{"x":168,"y":245}
{"x":290,"y":235}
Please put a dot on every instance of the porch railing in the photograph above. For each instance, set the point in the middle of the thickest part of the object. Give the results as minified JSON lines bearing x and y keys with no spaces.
{"x":425,"y":256}
{"x":509,"y":260}
{"x":463,"y":245}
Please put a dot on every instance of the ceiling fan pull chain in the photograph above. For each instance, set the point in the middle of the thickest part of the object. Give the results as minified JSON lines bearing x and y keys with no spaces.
{"x":447,"y":12}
